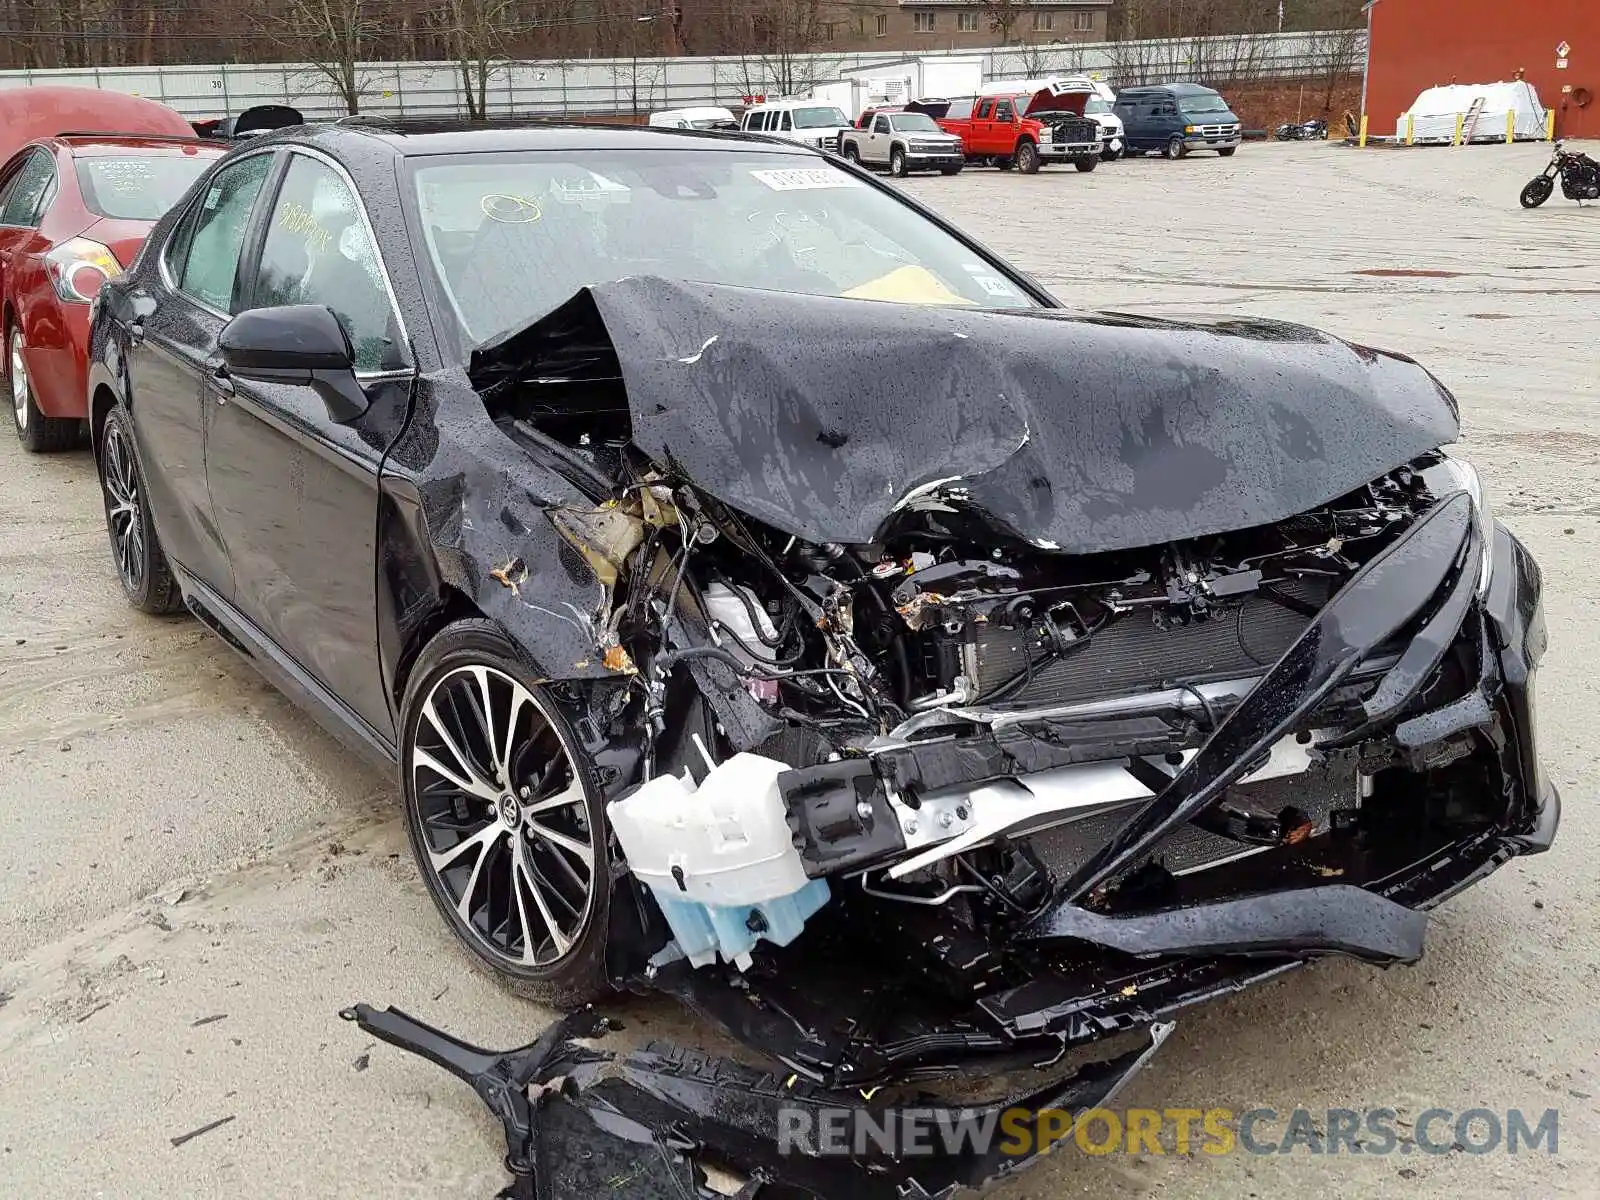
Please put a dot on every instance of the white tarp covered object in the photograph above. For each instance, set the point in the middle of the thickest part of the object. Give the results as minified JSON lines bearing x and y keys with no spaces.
{"x":1433,"y":116}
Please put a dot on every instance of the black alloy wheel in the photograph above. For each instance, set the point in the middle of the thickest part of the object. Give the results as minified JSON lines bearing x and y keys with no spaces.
{"x":504,"y":816}
{"x":142,"y":568}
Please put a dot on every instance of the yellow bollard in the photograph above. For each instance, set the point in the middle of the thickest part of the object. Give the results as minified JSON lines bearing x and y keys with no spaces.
{"x":1550,"y":125}
{"x":1461,"y":122}
{"x":1411,"y":130}
{"x":1511,"y":126}
{"x":1363,"y":140}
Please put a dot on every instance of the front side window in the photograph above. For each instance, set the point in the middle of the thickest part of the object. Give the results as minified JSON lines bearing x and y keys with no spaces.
{"x":509,"y":237}
{"x":26,"y":194}
{"x":137,"y":188}
{"x":880,"y":125}
{"x":216,"y":232}
{"x":1004,"y":112}
{"x":318,"y":251}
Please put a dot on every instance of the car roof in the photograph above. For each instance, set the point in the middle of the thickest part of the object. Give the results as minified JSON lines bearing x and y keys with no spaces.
{"x":100,"y":145}
{"x":416,"y":139}
{"x":793,"y":102}
{"x":1187,"y":89}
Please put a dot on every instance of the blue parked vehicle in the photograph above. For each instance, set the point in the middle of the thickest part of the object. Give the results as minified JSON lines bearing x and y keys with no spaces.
{"x":1176,"y":118}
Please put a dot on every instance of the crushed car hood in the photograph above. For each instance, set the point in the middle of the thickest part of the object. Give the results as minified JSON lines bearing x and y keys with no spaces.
{"x":825,"y":417}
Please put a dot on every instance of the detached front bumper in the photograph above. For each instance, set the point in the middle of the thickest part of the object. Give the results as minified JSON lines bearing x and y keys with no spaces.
{"x":580,"y":1122}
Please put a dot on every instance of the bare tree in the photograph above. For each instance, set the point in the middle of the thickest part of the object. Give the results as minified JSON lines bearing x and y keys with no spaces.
{"x":478,"y":35}
{"x":336,"y":38}
{"x":1002,"y":17}
{"x":1337,"y":45}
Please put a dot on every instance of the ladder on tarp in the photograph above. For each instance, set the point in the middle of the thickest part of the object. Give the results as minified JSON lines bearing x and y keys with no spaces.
{"x":1470,"y":124}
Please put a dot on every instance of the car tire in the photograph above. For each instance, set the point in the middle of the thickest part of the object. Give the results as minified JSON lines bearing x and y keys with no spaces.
{"x":1227,"y":152}
{"x":949,"y":170}
{"x":897,"y":163}
{"x":38,"y":433}
{"x":1110,"y":155}
{"x":1087,"y":163}
{"x":142,"y":567}
{"x":541,"y":850}
{"x":1027,"y":158}
{"x":852,"y":155}
{"x":1175,"y":148}
{"x":1004,"y":164}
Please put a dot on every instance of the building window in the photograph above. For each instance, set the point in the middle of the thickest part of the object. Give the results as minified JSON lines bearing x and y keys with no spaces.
{"x":1043,"y":22}
{"x":922,"y":22}
{"x":967,"y":22}
{"x":1083,"y":22}
{"x":883,"y":26}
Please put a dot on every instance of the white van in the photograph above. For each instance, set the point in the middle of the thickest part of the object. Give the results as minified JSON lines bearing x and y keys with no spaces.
{"x":812,"y":122}
{"x":694,"y":118}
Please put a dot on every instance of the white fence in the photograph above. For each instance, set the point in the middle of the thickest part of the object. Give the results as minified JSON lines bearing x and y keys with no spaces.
{"x":623,"y":85}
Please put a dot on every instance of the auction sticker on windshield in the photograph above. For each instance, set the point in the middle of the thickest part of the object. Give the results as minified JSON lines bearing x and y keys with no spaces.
{"x":801,"y":179}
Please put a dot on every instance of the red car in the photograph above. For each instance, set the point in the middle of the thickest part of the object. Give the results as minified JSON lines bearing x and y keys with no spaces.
{"x":74,"y":210}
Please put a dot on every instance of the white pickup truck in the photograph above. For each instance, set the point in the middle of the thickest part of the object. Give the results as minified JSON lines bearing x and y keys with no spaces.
{"x":903,"y":142}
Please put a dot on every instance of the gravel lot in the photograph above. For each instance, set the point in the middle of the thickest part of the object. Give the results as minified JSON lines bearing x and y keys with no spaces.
{"x":194,"y":879}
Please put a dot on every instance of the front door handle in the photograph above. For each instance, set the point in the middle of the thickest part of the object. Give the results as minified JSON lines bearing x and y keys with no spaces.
{"x":218,"y":379}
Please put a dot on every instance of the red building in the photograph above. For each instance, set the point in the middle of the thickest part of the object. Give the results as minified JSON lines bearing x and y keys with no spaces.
{"x":1418,"y":44}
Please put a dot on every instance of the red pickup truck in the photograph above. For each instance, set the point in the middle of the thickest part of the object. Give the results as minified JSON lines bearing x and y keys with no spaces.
{"x":1006,"y":131}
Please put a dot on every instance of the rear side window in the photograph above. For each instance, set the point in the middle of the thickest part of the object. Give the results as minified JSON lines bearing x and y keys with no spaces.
{"x":137,"y":188}
{"x":216,"y":236}
{"x":29,"y":191}
{"x":783,"y":121}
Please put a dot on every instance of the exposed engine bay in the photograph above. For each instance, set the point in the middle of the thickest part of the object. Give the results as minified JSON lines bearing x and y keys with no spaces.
{"x":938,"y":735}
{"x":949,"y":719}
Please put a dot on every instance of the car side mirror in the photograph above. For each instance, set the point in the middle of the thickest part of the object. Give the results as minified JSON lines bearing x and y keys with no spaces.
{"x":296,"y":344}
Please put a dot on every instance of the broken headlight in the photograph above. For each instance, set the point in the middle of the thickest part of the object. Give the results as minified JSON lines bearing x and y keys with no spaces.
{"x":1458,"y":475}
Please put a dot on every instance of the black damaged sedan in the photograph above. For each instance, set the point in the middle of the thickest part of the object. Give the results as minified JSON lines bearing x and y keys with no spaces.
{"x":767,"y":596}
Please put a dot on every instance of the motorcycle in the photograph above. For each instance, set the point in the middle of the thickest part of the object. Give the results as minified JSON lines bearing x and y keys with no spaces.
{"x":1580,"y":179}
{"x":1315,"y":130}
